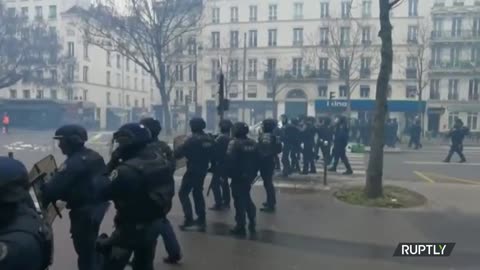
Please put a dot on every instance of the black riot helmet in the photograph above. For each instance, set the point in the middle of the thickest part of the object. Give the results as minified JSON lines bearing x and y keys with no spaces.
{"x":268,"y":125}
{"x":225,"y":126}
{"x":132,"y":135}
{"x":240,"y":130}
{"x":13,"y":181}
{"x":72,"y":134}
{"x":153,"y":125}
{"x":197,"y":124}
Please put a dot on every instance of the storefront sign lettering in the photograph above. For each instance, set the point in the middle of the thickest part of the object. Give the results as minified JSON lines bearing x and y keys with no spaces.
{"x":337,"y":104}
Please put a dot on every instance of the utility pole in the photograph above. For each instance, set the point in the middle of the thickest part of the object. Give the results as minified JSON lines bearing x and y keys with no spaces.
{"x":244,"y":74}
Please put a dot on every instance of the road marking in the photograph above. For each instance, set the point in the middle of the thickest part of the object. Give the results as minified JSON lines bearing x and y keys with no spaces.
{"x":465,"y":181}
{"x":440,"y":163}
{"x":424,"y":177}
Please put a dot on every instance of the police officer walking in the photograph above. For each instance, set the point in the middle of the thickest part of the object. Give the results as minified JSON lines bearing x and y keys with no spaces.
{"x":75,"y":183}
{"x":339,"y":146}
{"x":269,"y":147}
{"x":219,"y":185}
{"x":25,"y":239}
{"x":198,"y":149}
{"x":457,"y":135}
{"x":168,"y":234}
{"x":242,"y":163}
{"x":142,"y":191}
{"x":308,"y":137}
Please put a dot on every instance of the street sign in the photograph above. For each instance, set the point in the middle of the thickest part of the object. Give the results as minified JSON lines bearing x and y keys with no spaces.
{"x":332,"y":95}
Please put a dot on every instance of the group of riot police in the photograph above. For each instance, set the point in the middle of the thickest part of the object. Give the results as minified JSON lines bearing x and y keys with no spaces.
{"x":305,"y":137}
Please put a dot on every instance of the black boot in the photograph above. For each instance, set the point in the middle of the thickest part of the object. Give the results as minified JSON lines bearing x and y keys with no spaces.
{"x":238,"y":231}
{"x":268,"y":209}
{"x":187,"y":224}
{"x":201,"y":224}
{"x":172,"y":260}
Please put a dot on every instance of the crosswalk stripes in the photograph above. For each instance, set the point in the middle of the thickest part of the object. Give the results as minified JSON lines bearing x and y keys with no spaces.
{"x":357,"y":161}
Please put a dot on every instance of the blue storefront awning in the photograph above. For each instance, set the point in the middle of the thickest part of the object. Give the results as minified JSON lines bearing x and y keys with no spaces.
{"x":369,"y":105}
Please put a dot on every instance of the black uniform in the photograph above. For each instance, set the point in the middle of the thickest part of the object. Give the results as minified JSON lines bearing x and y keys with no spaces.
{"x":308,"y":140}
{"x":242,"y":164}
{"x":269,"y":147}
{"x":415,"y":133}
{"x":142,"y":191}
{"x":340,"y":143}
{"x":324,"y":139}
{"x":290,"y":140}
{"x":457,"y":135}
{"x":219,"y":185}
{"x":75,"y":183}
{"x":26,"y":241}
{"x":168,"y":234}
{"x":198,"y":149}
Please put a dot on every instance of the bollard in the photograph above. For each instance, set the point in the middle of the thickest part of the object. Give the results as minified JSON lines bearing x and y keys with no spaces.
{"x":10,"y":155}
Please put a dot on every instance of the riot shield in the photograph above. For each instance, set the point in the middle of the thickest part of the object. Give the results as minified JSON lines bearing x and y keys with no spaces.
{"x":41,"y":172}
{"x":177,"y":141}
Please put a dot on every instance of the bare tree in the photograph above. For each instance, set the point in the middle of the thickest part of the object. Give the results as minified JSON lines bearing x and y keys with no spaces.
{"x":417,"y":64}
{"x":346,"y":43}
{"x":146,"y":34}
{"x":276,"y":81}
{"x":374,"y":180}
{"x":27,"y":49}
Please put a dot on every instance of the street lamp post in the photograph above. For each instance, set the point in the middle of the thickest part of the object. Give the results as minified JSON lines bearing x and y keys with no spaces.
{"x":195,"y":95}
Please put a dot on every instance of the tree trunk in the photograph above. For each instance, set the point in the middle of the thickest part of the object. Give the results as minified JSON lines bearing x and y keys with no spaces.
{"x":349,"y":100}
{"x":274,"y":101}
{"x":161,"y":84}
{"x":374,"y":185}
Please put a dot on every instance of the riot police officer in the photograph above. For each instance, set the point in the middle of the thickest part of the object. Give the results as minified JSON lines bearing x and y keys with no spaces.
{"x":269,"y":147}
{"x":242,"y":163}
{"x":219,"y":184}
{"x":339,"y":146}
{"x":75,"y":183}
{"x":198,"y":149}
{"x":25,"y":239}
{"x":142,"y":192}
{"x":289,"y":139}
{"x":308,"y":138}
{"x":324,"y":139}
{"x":297,"y":145}
{"x":457,"y":135}
{"x":168,"y":234}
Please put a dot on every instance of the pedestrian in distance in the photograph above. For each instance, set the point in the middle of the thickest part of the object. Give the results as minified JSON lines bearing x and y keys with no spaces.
{"x":5,"y":123}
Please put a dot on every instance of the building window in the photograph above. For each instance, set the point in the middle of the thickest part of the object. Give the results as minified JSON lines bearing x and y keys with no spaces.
{"x":437,"y":28}
{"x":233,"y":91}
{"x":324,"y":10}
{"x":179,"y":73}
{"x":24,"y":12}
{"x":11,"y":12}
{"x":109,"y":98}
{"x":233,"y":69}
{"x":109,"y":62}
{"x":128,"y":82}
{"x":52,"y":12}
{"x":215,"y":15}
{"x":135,"y":103}
{"x":252,"y":69}
{"x":476,"y":26}
{"x":323,"y":63}
{"x":344,"y":35}
{"x":108,"y":78}
{"x":454,"y":56}
{"x":346,"y":8}
{"x":366,"y":8}
{"x":127,"y":100}
{"x":344,"y":67}
{"x":215,"y":40}
{"x":13,"y":93}
{"x":85,"y":50}
{"x":234,"y":39}
{"x":118,"y":61}
{"x":366,"y":39}
{"x":297,"y":36}
{"x":298,"y":11}
{"x":473,"y":90}
{"x":389,"y":91}
{"x":214,"y":90}
{"x":271,"y":67}
{"x":364,"y":91}
{"x":118,"y":80}
{"x":53,"y":75}
{"x":215,"y":68}
{"x":412,"y":8}
{"x":436,"y":56}
{"x":191,"y":72}
{"x":435,"y":89}
{"x":26,"y":94}
{"x":70,"y":73}
{"x":472,"y":120}
{"x":135,"y":84}
{"x":411,"y":91}
{"x":85,"y":94}
{"x":322,"y":90}
{"x":412,"y":35}
{"x":85,"y":74}
{"x":324,"y":36}
{"x":127,"y":64}
{"x":234,"y":14}
{"x":71,"y":49}
{"x":453,"y":89}
{"x":252,"y":38}
{"x":272,"y":37}
{"x":297,"y":67}
{"x":253,"y":13}
{"x":143,"y":102}
{"x":143,"y":84}
{"x":342,"y":89}
{"x":38,"y":13}
{"x":53,"y":94}
{"x":251,"y":91}
{"x":456,"y":27}
{"x":272,"y":12}
{"x":451,"y":119}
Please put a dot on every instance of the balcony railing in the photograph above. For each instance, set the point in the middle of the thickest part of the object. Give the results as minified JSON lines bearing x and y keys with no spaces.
{"x":473,"y":97}
{"x":434,"y":96}
{"x":455,"y":36}
{"x":411,"y":73}
{"x":456,"y":66}
{"x":452,"y":96}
